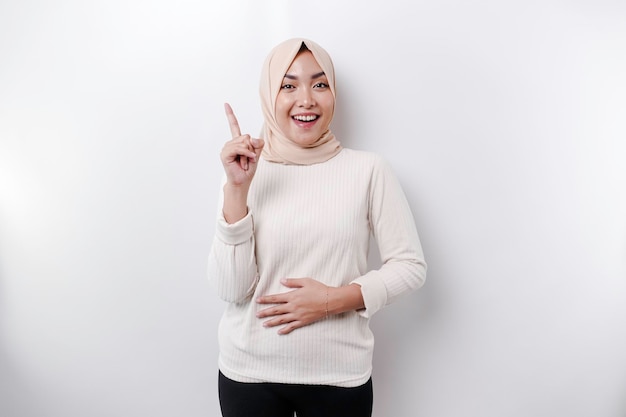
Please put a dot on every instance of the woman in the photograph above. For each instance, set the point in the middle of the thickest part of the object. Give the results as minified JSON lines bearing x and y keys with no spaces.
{"x":290,"y":251}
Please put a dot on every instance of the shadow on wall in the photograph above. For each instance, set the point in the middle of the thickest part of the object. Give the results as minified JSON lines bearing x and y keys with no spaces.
{"x":18,"y":396}
{"x":402,"y":333}
{"x":13,"y":401}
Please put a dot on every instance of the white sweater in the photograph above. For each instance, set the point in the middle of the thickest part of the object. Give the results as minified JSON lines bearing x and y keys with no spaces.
{"x":313,"y":221}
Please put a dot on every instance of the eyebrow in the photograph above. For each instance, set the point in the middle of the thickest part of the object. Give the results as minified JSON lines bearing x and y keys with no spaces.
{"x":314,"y":76}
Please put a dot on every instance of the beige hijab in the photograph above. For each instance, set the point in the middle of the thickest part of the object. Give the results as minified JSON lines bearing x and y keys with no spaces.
{"x":278,"y":147}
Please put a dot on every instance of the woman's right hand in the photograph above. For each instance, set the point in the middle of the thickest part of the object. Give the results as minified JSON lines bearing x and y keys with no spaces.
{"x":239,"y":155}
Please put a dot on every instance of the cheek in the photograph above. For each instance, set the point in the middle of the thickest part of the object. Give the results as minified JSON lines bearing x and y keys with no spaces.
{"x":329,"y":106}
{"x":328,"y":101}
{"x":282,"y":110}
{"x":283,"y":106}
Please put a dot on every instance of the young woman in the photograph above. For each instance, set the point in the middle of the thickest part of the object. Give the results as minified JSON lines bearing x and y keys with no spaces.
{"x":290,"y":251}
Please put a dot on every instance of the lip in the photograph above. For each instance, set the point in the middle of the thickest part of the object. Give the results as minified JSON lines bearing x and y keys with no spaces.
{"x":304,"y":124}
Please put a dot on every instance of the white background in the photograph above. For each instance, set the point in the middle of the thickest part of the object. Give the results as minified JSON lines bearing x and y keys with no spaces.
{"x":504,"y":120}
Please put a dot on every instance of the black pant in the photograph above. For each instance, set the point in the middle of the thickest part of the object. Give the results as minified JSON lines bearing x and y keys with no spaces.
{"x":238,"y":399}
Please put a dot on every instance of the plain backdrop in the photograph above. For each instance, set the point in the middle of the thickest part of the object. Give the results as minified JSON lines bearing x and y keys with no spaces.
{"x":505,"y":121}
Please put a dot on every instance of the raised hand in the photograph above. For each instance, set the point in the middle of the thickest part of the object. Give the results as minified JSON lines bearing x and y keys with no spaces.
{"x":240,"y":154}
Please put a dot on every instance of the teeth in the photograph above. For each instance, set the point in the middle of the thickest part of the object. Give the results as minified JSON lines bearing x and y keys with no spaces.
{"x":305,"y":118}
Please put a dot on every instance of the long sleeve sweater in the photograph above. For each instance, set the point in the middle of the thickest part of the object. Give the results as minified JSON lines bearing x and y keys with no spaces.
{"x":313,"y":221}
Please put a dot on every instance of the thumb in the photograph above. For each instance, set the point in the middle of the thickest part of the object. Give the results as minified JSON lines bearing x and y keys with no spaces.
{"x":257,"y":143}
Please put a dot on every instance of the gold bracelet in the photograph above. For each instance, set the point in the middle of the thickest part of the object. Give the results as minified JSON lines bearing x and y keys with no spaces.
{"x":326,"y":301}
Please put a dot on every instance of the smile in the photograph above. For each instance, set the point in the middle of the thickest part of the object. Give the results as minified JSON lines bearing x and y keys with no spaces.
{"x":303,"y":118}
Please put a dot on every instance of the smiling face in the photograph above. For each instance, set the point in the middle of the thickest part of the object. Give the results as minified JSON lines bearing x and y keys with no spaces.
{"x":305,"y":103}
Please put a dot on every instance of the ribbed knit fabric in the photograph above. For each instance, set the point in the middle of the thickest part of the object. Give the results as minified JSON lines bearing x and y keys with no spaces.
{"x":313,"y":221}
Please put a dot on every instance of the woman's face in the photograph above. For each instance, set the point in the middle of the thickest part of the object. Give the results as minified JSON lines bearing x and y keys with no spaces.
{"x":305,"y":103}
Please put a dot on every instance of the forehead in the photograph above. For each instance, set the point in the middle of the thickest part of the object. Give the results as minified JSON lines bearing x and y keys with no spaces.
{"x":304,"y":63}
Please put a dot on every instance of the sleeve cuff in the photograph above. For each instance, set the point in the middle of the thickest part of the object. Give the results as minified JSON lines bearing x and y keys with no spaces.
{"x":373,"y":291}
{"x":234,"y":233}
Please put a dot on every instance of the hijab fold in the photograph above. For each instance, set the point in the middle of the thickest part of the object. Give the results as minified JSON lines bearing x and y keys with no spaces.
{"x":278,"y":147}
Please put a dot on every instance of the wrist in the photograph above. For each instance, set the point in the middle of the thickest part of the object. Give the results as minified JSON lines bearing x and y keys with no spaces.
{"x":236,"y":189}
{"x":235,"y":202}
{"x":342,"y":299}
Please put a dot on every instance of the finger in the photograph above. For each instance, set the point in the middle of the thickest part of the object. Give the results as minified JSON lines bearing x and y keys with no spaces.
{"x":290,"y":327}
{"x":257,"y":146}
{"x":239,"y":155}
{"x":257,"y":143}
{"x":246,"y":160}
{"x":272,"y":299}
{"x":271,"y":311}
{"x":293,"y":282}
{"x":280,"y":320}
{"x":232,"y":121}
{"x":233,"y":149}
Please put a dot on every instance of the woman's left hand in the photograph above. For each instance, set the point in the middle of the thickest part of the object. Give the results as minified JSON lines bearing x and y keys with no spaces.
{"x":307,"y":303}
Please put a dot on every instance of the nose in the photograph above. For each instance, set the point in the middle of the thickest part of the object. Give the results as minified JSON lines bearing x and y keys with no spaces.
{"x":306,"y":99}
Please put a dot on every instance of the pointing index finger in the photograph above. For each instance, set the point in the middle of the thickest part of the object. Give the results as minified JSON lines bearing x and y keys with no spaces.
{"x":232,"y":121}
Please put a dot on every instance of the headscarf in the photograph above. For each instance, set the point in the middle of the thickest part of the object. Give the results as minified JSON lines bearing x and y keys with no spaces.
{"x":278,"y":147}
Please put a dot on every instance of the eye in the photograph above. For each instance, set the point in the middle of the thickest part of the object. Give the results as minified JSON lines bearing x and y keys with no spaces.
{"x":287,"y":87}
{"x":321,"y":85}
